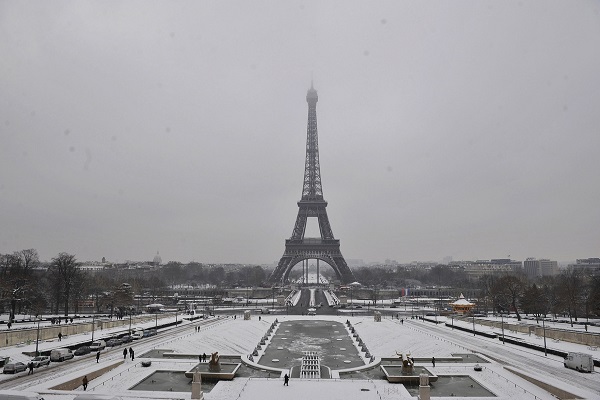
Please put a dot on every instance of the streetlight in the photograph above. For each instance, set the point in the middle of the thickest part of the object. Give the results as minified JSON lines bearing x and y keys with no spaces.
{"x":37,"y":340}
{"x":93,"y":325}
{"x":502,"y":318}
{"x":544,"y":328}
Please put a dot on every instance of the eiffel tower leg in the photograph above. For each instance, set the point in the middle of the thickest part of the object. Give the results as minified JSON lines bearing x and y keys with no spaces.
{"x":345,"y":274}
{"x":278,"y":274}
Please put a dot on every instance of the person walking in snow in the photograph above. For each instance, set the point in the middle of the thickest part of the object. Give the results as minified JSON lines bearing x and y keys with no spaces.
{"x":286,"y":380}
{"x":131,"y":353}
{"x":125,"y":353}
{"x":98,"y":356}
{"x":85,"y":382}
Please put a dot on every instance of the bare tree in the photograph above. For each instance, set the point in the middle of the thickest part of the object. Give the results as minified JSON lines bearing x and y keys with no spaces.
{"x":570,"y":291}
{"x":16,"y":281}
{"x":535,"y":302}
{"x":64,"y":269}
{"x":508,"y":292}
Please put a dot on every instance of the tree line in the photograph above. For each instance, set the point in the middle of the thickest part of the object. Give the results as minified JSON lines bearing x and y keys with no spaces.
{"x":60,"y":286}
{"x":573,"y":293}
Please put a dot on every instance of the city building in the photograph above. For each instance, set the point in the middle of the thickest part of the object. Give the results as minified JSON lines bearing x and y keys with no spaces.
{"x":534,"y":268}
{"x":476,"y":269}
{"x":587,"y":265}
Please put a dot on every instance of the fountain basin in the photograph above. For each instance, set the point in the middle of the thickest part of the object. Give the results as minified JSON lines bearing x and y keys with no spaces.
{"x":227,"y":372}
{"x":394,"y":374}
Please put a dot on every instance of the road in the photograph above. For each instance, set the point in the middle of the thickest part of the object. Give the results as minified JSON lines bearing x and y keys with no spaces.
{"x":511,"y":355}
{"x":110,"y":355}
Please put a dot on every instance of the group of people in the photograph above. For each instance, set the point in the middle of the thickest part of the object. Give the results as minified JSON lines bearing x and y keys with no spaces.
{"x":202,"y":357}
{"x":57,"y":320}
{"x":131,"y":353}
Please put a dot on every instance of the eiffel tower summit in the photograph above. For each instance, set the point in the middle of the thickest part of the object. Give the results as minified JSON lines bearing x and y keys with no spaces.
{"x":312,"y":205}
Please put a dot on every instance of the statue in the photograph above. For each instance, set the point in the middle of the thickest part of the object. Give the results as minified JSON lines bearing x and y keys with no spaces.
{"x":407,"y":363}
{"x":214,"y":365}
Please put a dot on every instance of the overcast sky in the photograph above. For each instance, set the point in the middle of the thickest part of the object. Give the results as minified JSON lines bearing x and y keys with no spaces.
{"x":468,"y":129}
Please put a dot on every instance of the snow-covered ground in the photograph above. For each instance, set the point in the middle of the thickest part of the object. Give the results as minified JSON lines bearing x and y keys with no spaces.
{"x":231,"y":336}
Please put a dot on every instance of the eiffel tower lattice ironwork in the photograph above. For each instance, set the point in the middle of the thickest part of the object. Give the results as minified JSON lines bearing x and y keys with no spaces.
{"x":312,"y":204}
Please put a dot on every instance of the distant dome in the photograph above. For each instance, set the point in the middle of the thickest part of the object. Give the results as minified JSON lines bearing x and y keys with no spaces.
{"x":157,"y":260}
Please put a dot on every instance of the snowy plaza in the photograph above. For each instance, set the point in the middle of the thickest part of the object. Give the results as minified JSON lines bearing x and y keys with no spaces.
{"x":352,"y":350}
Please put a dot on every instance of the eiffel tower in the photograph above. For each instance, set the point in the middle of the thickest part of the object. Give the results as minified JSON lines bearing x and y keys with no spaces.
{"x":298,"y":248}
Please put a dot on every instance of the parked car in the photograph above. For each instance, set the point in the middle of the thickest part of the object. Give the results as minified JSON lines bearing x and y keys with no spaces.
{"x":40,"y":360}
{"x":13,"y":368}
{"x":61,"y":354}
{"x":126,"y":339}
{"x":82,"y":350}
{"x":138,"y":334}
{"x":114,"y":342}
{"x":150,"y":332}
{"x":98,"y":345}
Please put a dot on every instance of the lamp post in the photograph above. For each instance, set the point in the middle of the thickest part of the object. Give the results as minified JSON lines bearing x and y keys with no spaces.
{"x":37,"y":340}
{"x":544,"y":329}
{"x":502,"y":318}
{"x":93,"y":324}
{"x":440,"y":304}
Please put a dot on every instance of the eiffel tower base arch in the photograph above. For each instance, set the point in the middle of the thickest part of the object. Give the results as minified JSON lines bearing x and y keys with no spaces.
{"x":310,"y":249}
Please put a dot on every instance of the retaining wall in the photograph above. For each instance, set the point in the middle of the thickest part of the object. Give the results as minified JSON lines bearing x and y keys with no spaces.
{"x":13,"y":337}
{"x":586,"y":338}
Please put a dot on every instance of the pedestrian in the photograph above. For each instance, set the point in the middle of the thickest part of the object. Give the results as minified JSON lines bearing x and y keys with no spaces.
{"x":433,"y":361}
{"x":30,"y":366}
{"x":199,"y":357}
{"x":402,"y":321}
{"x":131,"y":354}
{"x":125,"y":353}
{"x":259,"y":317}
{"x":98,"y":356}
{"x":71,"y":320}
{"x":9,"y":324}
{"x":203,"y":357}
{"x":59,"y":336}
{"x":85,"y":382}
{"x":286,"y":380}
